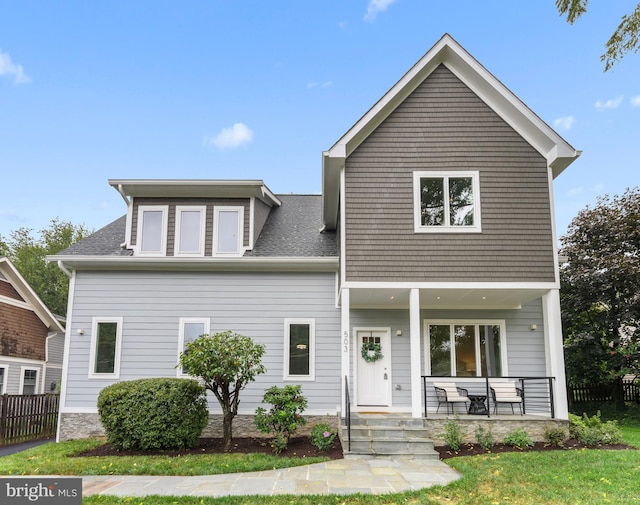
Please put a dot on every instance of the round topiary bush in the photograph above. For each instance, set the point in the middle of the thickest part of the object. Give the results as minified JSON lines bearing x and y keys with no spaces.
{"x":153,"y":413}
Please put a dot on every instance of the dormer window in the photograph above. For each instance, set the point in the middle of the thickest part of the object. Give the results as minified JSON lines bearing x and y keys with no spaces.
{"x":152,"y":225}
{"x":228,"y":231}
{"x":190,"y":229}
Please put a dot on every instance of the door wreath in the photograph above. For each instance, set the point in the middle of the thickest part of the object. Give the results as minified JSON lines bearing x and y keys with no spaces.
{"x":371,"y":352}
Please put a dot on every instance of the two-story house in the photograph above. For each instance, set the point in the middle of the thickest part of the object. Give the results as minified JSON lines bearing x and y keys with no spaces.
{"x":430,"y":256}
{"x":31,"y":338}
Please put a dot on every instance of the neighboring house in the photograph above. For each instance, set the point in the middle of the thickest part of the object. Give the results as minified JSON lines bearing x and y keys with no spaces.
{"x":434,"y":237}
{"x":31,"y":338}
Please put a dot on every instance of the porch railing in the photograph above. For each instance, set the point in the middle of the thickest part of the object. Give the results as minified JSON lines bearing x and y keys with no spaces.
{"x":347,"y":412}
{"x":537,"y":397}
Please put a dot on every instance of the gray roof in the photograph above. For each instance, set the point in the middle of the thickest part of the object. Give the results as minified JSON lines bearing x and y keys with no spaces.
{"x":291,"y":230}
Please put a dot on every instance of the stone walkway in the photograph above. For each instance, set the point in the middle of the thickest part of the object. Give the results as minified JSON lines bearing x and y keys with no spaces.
{"x":344,"y":476}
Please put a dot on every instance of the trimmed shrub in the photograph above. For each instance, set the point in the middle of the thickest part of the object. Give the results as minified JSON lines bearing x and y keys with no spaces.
{"x":485,"y":438}
{"x":153,"y":413}
{"x":322,"y":436}
{"x":285,"y":415}
{"x":519,"y":439}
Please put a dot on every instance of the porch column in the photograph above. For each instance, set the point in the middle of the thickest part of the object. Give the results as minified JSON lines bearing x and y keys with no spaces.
{"x":344,"y":345}
{"x":414,"y":346}
{"x":554,"y":351}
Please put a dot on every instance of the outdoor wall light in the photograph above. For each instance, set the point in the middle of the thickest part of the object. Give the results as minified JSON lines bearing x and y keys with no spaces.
{"x":534,"y":327}
{"x":80,"y":331}
{"x":398,"y":333}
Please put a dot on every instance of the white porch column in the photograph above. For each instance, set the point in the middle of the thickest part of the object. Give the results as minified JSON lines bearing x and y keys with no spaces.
{"x":414,"y":346}
{"x":554,"y":351}
{"x":344,"y":345}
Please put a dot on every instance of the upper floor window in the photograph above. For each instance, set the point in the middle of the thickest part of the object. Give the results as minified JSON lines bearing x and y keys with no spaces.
{"x":190,"y":227}
{"x":465,"y":348}
{"x":152,"y":226}
{"x":106,"y":338}
{"x":29,"y":384}
{"x":446,"y":202}
{"x":228,"y":230}
{"x":299,"y":352}
{"x":191,"y":328}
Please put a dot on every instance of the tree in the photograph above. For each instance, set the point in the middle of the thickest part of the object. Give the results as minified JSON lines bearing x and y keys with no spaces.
{"x":226,"y":362}
{"x":623,"y":40}
{"x":28,"y":254}
{"x":600,"y":292}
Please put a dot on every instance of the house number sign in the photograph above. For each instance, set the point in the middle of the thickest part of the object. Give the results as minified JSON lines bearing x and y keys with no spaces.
{"x":345,"y":342}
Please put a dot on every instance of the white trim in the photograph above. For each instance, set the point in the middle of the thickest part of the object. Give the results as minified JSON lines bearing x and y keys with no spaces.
{"x":554,"y":352}
{"x":343,"y":234}
{"x":345,"y":346}
{"x":187,"y":320}
{"x":252,"y":210}
{"x":240,"y":237}
{"x":202,"y":210}
{"x":451,"y":285}
{"x":552,"y":210}
{"x":118,"y":350}
{"x":163,"y":230}
{"x":37,"y":386}
{"x":27,"y":361}
{"x":5,"y":378}
{"x":66,"y":352}
{"x":414,"y":347}
{"x":475,"y":322}
{"x":446,"y":227}
{"x":16,"y":303}
{"x":312,"y":350}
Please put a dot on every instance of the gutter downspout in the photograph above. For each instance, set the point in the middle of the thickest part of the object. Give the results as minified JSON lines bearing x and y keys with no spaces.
{"x":64,"y":269}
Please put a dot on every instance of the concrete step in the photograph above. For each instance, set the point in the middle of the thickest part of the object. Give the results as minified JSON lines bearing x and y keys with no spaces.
{"x":391,"y":432}
{"x":385,"y":420}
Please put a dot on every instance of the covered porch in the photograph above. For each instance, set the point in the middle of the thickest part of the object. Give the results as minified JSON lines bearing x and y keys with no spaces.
{"x":510,"y":333}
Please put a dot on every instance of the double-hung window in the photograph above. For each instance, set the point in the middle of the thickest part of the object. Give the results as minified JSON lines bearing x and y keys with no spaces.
{"x":299,"y":349}
{"x":191,"y":328}
{"x":465,"y":348}
{"x":106,"y":342}
{"x":228,"y":227}
{"x":446,"y":202}
{"x":29,"y":385}
{"x":3,"y":379}
{"x":152,"y":230}
{"x":190,"y":228}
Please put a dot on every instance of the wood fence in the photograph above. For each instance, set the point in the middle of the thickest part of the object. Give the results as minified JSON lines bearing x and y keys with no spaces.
{"x":603,"y":393}
{"x":27,"y":417}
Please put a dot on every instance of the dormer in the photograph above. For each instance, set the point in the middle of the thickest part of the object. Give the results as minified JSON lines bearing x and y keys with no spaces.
{"x":194,"y":218}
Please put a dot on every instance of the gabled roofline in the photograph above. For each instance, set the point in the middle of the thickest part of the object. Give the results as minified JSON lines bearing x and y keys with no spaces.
{"x":204,"y":264}
{"x":47,"y":317}
{"x":195,"y":188}
{"x":447,"y":51}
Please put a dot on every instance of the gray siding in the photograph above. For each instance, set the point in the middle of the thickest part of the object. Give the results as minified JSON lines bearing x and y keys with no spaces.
{"x":261,"y":213}
{"x":52,"y":380}
{"x":171,"y":218}
{"x":255,"y":305}
{"x":55,"y":349}
{"x":525,"y":348}
{"x":443,"y":125}
{"x":13,"y":374}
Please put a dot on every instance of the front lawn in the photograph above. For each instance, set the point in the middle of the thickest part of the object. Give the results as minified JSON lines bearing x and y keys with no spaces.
{"x":57,"y":459}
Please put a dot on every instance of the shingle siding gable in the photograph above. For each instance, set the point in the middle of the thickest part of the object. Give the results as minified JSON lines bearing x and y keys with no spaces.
{"x":444,"y":126}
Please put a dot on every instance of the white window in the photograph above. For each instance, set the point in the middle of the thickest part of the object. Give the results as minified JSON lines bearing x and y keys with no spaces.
{"x":29,"y":382}
{"x":191,"y":328}
{"x":228,"y":228}
{"x":190,"y":227}
{"x":106,"y":342}
{"x":299,"y":349}
{"x":4,"y":372}
{"x":446,"y":202}
{"x":152,"y":230}
{"x":465,"y":348}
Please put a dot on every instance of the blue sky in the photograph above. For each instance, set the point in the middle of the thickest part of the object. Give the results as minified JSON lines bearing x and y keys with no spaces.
{"x":257,"y":90}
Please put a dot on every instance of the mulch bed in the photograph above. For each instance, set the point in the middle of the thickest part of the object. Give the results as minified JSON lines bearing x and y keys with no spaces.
{"x":299,"y":447}
{"x":569,"y":445}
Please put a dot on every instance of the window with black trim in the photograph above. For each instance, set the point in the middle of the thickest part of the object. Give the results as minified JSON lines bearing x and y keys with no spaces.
{"x":299,"y":360}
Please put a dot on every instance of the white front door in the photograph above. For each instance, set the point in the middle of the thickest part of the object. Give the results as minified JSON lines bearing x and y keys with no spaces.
{"x":374,"y":377}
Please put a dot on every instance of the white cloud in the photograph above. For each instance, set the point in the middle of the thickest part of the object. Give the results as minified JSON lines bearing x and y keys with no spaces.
{"x":635,"y":101}
{"x":564,"y":123}
{"x":230,"y":138}
{"x":320,"y":85}
{"x":376,"y":6}
{"x":609,"y":104}
{"x":575,"y":191}
{"x":9,"y":68}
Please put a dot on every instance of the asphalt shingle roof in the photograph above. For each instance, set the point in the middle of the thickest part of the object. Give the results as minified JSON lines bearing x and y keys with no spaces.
{"x":291,"y":230}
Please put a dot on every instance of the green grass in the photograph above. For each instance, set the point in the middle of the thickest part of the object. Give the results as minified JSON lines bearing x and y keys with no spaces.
{"x":57,"y":459}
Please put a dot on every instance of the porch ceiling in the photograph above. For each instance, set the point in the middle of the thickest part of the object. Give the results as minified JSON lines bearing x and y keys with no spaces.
{"x":444,"y":298}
